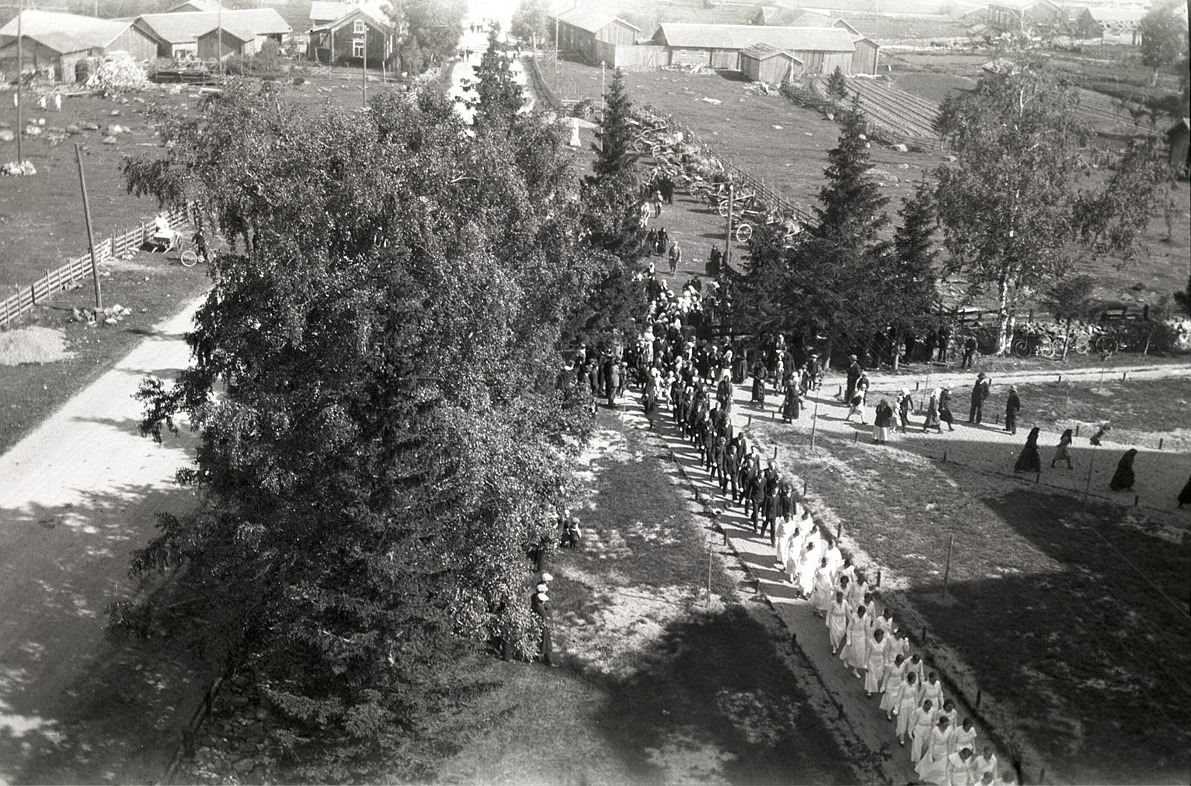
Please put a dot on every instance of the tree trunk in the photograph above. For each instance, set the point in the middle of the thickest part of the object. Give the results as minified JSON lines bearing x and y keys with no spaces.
{"x":1067,"y":340}
{"x":897,"y":346}
{"x":1004,"y":330}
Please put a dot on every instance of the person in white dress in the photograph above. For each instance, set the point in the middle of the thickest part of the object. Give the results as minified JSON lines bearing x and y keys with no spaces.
{"x":835,"y":559}
{"x":794,"y":552}
{"x":959,"y":773}
{"x":891,"y":685}
{"x":922,"y":722}
{"x":965,"y":736}
{"x":951,"y":714}
{"x":855,"y":651}
{"x":837,"y":622}
{"x":986,"y":762}
{"x":932,"y":766}
{"x":856,"y":591}
{"x":781,"y":541}
{"x":904,"y":707}
{"x":916,"y":665}
{"x":823,"y":592}
{"x":806,"y":568}
{"x":931,"y":689}
{"x":874,"y":663}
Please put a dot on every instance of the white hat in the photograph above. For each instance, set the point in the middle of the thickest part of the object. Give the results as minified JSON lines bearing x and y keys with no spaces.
{"x":543,"y":587}
{"x":547,"y":577}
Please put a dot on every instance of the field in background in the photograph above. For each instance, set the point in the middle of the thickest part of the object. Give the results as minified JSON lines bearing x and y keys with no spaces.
{"x":41,"y":217}
{"x":786,"y":147}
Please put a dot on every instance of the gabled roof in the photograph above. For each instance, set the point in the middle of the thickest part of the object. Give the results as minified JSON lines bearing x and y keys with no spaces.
{"x":184,"y":27}
{"x":237,"y":29}
{"x":1108,"y":14}
{"x":1023,"y":5}
{"x":373,"y":15}
{"x":194,"y":5}
{"x":765,"y":51}
{"x":793,"y":17}
{"x":65,"y":32}
{"x":591,"y":20}
{"x":328,"y":10}
{"x":792,"y":39}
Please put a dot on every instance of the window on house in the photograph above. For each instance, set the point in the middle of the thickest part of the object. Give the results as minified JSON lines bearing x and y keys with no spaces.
{"x":359,"y":28}
{"x":357,"y":48}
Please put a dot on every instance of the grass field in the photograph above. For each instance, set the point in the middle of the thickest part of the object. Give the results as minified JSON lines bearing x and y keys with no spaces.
{"x":786,"y":147}
{"x":41,"y":217}
{"x":1069,"y":616}
{"x":659,"y":682}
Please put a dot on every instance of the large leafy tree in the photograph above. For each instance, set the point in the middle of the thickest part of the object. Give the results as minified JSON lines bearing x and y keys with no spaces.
{"x":1012,"y":206}
{"x":373,"y":385}
{"x":1007,"y":204}
{"x":529,"y":21}
{"x":1163,"y":37}
{"x":430,"y":30}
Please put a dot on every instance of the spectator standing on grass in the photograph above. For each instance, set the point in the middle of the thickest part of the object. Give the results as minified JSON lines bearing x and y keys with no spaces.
{"x":881,"y":422}
{"x":656,"y":198}
{"x":932,"y":412}
{"x":856,"y":402}
{"x":1185,"y":494}
{"x":1063,"y":451}
{"x":904,"y":405}
{"x":1029,"y":460}
{"x":540,"y":605}
{"x":1012,"y":407}
{"x":980,"y":392}
{"x":675,"y":257}
{"x":945,"y":415}
{"x":970,"y":346}
{"x":663,"y":241}
{"x":853,"y":378}
{"x":1123,"y":478}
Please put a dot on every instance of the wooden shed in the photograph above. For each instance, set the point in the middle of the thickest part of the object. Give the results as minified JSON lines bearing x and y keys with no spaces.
{"x":222,"y":43}
{"x":820,"y":49}
{"x":580,"y":30}
{"x":60,"y":41}
{"x":764,"y":63}
{"x":866,"y":52}
{"x":177,"y":34}
{"x":1024,"y":16}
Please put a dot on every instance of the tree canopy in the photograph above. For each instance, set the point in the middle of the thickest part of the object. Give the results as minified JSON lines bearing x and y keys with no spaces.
{"x":1014,"y":204}
{"x":529,"y":21}
{"x":1163,"y":37}
{"x":373,"y":383}
{"x":431,"y":30}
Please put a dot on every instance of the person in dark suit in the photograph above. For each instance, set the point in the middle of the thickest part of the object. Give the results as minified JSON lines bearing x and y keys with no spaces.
{"x":757,"y":485}
{"x":853,"y":378}
{"x":1012,"y":407}
{"x":769,"y":508}
{"x":540,"y":605}
{"x":980,"y":392}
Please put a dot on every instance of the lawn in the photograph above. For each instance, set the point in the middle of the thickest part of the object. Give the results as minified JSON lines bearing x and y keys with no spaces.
{"x":659,"y":681}
{"x":786,"y":147}
{"x":1068,"y":615}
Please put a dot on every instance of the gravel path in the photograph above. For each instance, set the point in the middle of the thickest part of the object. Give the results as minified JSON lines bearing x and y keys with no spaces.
{"x":77,"y":496}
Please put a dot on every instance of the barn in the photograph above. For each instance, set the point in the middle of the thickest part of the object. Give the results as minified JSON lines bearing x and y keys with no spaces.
{"x":223,"y":42}
{"x":866,"y":53}
{"x":764,"y":63}
{"x":821,"y":49}
{"x":580,"y":32}
{"x":60,"y":41}
{"x":1024,"y":15}
{"x":349,"y":39}
{"x":177,"y":34}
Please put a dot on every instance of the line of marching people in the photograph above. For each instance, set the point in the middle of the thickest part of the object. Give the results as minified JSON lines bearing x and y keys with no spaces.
{"x":694,"y":382}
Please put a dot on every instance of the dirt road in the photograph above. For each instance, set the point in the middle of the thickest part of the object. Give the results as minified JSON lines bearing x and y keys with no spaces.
{"x":77,"y":496}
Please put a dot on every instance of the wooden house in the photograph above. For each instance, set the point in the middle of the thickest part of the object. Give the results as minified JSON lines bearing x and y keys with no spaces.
{"x":359,"y":35}
{"x":1025,"y":16}
{"x":60,"y":42}
{"x":177,"y":34}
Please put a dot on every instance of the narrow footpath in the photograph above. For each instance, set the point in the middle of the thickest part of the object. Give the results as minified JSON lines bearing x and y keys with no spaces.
{"x":77,"y":496}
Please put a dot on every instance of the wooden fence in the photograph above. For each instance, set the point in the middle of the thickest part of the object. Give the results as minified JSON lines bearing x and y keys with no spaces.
{"x":65,"y":276}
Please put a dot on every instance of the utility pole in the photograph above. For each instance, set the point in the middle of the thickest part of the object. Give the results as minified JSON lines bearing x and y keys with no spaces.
{"x":364,"y":64}
{"x":78,"y":155}
{"x":20,"y":69}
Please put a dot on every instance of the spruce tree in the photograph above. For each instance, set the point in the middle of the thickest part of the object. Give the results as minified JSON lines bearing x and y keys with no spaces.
{"x":614,"y":150}
{"x":852,"y":207}
{"x":908,"y":294}
{"x":500,"y":96}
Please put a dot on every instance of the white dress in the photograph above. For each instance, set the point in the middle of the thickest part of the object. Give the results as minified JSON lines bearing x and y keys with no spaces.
{"x":806,"y":569}
{"x":855,"y":654}
{"x":874,"y":664}
{"x":891,"y":687}
{"x":823,"y":594}
{"x":837,"y":623}
{"x":785,"y":528}
{"x":904,"y":708}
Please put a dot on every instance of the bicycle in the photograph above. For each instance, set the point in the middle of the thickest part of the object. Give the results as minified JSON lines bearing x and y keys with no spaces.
{"x":186,"y":255}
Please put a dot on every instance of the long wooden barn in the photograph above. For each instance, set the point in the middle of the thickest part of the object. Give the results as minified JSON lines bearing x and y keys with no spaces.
{"x":820,"y":49}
